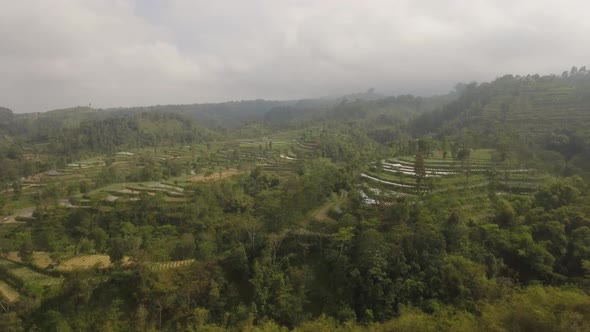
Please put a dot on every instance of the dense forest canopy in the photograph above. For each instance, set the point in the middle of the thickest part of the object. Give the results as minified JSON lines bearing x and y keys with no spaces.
{"x":463,"y":212}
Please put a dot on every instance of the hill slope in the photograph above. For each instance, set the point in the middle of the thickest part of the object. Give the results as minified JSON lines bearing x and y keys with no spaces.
{"x":532,"y":107}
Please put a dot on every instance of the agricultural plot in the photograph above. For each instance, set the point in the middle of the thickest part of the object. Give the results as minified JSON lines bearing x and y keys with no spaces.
{"x":41,"y":259}
{"x":18,"y":215}
{"x":8,"y":293}
{"x":214,"y":176}
{"x":159,"y":266}
{"x":84,"y":262}
{"x":20,"y":275}
{"x":199,"y":163}
{"x":395,"y":176}
{"x":535,"y":111}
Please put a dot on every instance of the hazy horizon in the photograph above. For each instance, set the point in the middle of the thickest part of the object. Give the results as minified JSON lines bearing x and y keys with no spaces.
{"x":124,"y":53}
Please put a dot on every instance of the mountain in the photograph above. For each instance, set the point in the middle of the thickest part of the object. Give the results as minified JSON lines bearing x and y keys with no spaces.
{"x":384,"y":118}
{"x":215,"y":115}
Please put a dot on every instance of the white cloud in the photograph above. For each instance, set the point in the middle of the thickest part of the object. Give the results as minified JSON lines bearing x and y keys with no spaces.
{"x":122,"y":52}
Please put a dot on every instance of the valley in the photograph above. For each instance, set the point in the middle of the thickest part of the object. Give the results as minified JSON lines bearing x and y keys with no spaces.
{"x":360,"y":213}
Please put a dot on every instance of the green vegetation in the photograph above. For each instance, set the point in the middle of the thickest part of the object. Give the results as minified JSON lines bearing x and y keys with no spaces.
{"x":465,"y":212}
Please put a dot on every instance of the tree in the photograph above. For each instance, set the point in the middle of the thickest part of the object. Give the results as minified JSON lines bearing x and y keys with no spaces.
{"x":419,"y":169}
{"x":344,"y":235}
{"x":117,"y":249}
{"x":445,"y":147}
{"x":25,"y":251}
{"x":578,"y":250}
{"x":3,"y":202}
{"x":505,"y":214}
{"x":185,"y":247}
{"x":10,"y":322}
{"x":379,"y":166}
{"x":424,"y":146}
{"x":464,"y":156}
{"x":455,"y":234}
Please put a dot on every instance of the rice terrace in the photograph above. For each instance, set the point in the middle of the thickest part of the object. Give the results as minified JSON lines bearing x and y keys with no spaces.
{"x":306,"y":166}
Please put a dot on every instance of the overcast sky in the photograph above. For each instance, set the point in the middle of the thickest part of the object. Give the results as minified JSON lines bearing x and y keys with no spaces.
{"x":63,"y":53}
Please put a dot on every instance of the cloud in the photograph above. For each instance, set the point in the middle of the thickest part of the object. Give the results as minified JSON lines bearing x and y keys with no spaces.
{"x":62,"y":53}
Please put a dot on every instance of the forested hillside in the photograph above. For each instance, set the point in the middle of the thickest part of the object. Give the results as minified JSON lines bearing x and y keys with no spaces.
{"x":542,"y":113}
{"x":463,"y":212}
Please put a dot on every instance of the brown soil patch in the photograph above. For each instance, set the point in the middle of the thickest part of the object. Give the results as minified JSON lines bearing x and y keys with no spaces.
{"x":322,"y":214}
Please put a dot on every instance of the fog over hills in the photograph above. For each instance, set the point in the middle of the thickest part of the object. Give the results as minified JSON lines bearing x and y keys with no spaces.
{"x":127,"y":53}
{"x":294,"y":165}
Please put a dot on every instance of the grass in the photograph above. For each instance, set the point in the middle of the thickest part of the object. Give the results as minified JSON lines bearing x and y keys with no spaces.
{"x":25,"y":275}
{"x":483,"y":154}
{"x":8,"y":293}
{"x":393,"y":177}
{"x":83,"y":262}
{"x":41,"y":259}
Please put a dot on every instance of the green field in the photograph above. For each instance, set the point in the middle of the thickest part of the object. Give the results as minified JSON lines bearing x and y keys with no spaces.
{"x":24,"y":280}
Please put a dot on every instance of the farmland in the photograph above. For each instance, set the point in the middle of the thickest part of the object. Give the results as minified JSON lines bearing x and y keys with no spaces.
{"x":395,"y":176}
{"x":8,"y":293}
{"x":18,"y":280}
{"x":317,"y":215}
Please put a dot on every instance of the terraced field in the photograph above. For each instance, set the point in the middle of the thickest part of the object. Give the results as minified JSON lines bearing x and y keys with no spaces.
{"x":536,"y":111}
{"x":16,"y":279}
{"x":25,"y":274}
{"x":41,"y":259}
{"x":160,"y":266}
{"x":396,"y":177}
{"x":200,"y":163}
{"x":8,"y":293}
{"x":83,"y":262}
{"x":215,"y":176}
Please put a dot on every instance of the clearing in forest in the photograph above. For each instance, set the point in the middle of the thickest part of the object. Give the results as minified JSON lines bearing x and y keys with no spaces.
{"x":322,"y":212}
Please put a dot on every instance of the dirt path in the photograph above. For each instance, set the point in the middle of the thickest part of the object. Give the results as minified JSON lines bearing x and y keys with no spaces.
{"x":322,"y":213}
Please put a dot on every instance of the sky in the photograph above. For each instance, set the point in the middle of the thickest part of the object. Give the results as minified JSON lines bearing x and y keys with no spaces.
{"x":109,"y":53}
